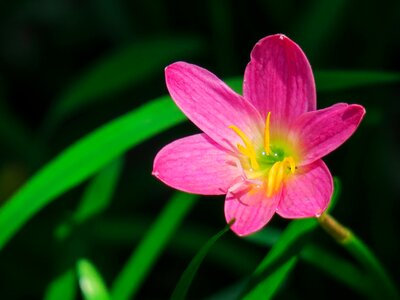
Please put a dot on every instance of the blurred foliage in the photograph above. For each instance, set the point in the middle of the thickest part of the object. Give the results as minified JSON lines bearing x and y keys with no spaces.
{"x":78,"y":81}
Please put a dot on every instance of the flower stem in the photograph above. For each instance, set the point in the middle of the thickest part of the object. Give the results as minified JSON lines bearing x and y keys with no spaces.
{"x":386,"y":288}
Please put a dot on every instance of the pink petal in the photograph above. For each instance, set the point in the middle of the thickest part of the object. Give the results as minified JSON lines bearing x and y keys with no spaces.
{"x":319,"y":132}
{"x":279,"y":79}
{"x":252,"y":210}
{"x":196,"y":164}
{"x":211,"y":104}
{"x":307,"y":193}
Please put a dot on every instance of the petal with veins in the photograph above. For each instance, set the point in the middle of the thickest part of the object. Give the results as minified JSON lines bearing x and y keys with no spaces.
{"x":307,"y":193}
{"x":279,"y":79}
{"x":250,"y":208}
{"x":196,"y":164}
{"x":319,"y":132}
{"x":210,"y":104}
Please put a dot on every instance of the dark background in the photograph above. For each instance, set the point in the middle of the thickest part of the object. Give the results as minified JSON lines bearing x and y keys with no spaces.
{"x":47,"y":46}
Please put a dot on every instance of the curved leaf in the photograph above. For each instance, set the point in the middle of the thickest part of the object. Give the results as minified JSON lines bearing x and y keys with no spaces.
{"x":98,"y":194}
{"x":336,"y":80}
{"x":183,"y":285}
{"x":128,"y":67}
{"x":143,"y":258}
{"x":91,"y":282}
{"x":272,"y":271}
{"x":62,"y":287}
{"x":83,"y":159}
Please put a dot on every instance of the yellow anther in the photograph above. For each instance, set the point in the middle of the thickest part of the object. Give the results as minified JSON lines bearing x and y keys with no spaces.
{"x":278,"y":173}
{"x":272,"y":178}
{"x":280,"y":176}
{"x":289,"y":160}
{"x":247,"y":149}
{"x":243,"y":150}
{"x":267,"y":135}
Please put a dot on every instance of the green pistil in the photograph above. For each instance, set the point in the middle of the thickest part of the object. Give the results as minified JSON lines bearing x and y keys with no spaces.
{"x":267,"y":161}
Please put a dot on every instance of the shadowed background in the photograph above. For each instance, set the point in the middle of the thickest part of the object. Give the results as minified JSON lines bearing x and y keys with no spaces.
{"x":68,"y":67}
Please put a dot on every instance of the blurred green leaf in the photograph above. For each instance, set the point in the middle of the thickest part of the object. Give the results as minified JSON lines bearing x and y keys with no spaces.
{"x":266,"y":237}
{"x":62,"y":287}
{"x":185,"y":281}
{"x":281,"y":259}
{"x":341,"y":80}
{"x":383,"y":286}
{"x":337,"y":191}
{"x":96,"y":198}
{"x":128,"y":67}
{"x":91,"y":282}
{"x":327,"y":81}
{"x":145,"y":255}
{"x":338,"y":268}
{"x":269,"y":236}
{"x":231,"y":292}
{"x":125,"y":231}
{"x":317,"y":25}
{"x":236,"y":84}
{"x":98,"y":194}
{"x":83,"y":159}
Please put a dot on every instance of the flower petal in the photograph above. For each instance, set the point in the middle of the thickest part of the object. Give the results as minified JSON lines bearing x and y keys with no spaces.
{"x":211,"y":104}
{"x":307,"y":193}
{"x":196,"y":164}
{"x":319,"y":132}
{"x":252,"y":210}
{"x":279,"y":79}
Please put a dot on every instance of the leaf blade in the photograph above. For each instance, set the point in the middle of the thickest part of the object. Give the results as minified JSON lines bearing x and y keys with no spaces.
{"x":134,"y":272}
{"x":337,"y":80}
{"x":62,"y":287}
{"x":126,"y":67}
{"x":90,"y":281}
{"x":280,"y":260}
{"x":186,"y":279}
{"x":83,"y":159}
{"x":98,"y":194}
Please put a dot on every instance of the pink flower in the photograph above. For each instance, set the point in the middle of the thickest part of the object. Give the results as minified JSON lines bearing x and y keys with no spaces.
{"x":262,"y":149}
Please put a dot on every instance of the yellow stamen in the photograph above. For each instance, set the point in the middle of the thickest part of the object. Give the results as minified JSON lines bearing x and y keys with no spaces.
{"x":267,"y":135}
{"x":272,"y":176}
{"x":289,"y":160}
{"x":278,"y":173}
{"x":248,"y":149}
{"x":279,"y":176}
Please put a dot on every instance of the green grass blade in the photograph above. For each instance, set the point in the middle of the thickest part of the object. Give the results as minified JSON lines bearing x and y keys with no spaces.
{"x":384,"y":286}
{"x":98,"y":194}
{"x":341,"y":80}
{"x":91,"y":282}
{"x":183,"y":285}
{"x":230,"y":292}
{"x":280,"y":260}
{"x":236,"y":83}
{"x":62,"y":287}
{"x":145,"y":255}
{"x":127,"y":67}
{"x":83,"y":159}
{"x":269,"y":236}
{"x":96,"y":198}
{"x":338,"y":268}
{"x":317,"y":25}
{"x":125,"y":231}
{"x":266,"y":237}
{"x":337,"y":80}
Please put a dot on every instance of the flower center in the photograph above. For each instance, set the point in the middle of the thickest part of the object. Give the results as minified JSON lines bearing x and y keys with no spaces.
{"x":271,"y":163}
